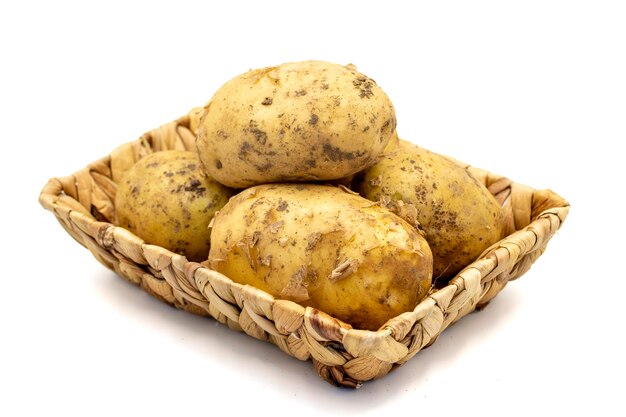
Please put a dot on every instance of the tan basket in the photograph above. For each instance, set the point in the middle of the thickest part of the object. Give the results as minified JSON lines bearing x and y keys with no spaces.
{"x":84,"y":205}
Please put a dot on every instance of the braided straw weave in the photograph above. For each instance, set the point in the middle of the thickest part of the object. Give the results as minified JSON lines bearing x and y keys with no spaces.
{"x":84,"y":205}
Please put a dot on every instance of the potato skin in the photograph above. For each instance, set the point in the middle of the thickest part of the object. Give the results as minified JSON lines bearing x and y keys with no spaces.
{"x":458,"y":214}
{"x":301,"y":121}
{"x":323,"y":247}
{"x":167,"y":200}
{"x":195,"y":115}
{"x":393,"y":143}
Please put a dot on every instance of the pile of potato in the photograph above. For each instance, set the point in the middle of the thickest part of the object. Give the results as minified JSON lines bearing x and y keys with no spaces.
{"x":301,"y":188}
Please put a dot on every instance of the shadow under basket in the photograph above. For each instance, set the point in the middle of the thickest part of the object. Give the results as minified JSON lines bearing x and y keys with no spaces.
{"x":84,"y":205}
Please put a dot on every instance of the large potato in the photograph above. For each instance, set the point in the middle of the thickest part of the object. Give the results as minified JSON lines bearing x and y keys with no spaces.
{"x":458,"y":214}
{"x":167,"y":200}
{"x":299,"y":121}
{"x":323,"y":247}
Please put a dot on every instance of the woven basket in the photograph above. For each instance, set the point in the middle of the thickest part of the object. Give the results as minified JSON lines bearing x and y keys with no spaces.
{"x":84,"y":205}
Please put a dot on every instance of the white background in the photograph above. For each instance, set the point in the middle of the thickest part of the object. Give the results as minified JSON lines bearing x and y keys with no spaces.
{"x":534,"y":90}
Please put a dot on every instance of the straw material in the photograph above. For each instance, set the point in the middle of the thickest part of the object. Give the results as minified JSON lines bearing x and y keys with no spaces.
{"x":84,"y":205}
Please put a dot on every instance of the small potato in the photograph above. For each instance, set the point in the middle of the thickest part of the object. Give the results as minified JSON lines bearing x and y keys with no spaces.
{"x":323,"y":247}
{"x":167,"y":200}
{"x":458,"y":214}
{"x":301,"y":121}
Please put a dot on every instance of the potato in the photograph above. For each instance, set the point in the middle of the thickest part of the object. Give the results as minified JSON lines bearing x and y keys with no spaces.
{"x":301,"y":121}
{"x":167,"y":200}
{"x":323,"y":247}
{"x":458,"y":214}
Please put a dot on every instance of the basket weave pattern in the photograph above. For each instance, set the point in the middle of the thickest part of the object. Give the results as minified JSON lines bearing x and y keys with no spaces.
{"x":84,"y":205}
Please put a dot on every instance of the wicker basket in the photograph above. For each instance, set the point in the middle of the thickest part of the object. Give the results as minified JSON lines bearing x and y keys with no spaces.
{"x":84,"y":205}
